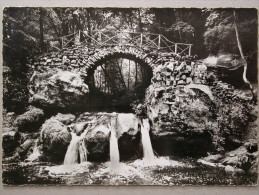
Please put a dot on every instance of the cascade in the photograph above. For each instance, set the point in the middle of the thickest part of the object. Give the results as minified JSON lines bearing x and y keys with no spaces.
{"x":76,"y":146}
{"x":82,"y":151}
{"x":114,"y":148}
{"x":146,"y":142}
{"x":71,"y":156}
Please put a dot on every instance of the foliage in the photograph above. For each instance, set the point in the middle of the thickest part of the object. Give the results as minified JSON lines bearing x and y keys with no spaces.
{"x":26,"y":32}
{"x":15,"y":95}
{"x":232,"y":112}
{"x":30,"y":120}
{"x":219,"y":36}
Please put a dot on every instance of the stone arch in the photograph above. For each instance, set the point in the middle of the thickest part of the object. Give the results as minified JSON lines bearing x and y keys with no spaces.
{"x":101,"y":56}
{"x":133,"y":53}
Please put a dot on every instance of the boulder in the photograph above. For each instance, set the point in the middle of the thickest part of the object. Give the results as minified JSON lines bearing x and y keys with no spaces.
{"x":54,"y":138}
{"x":66,"y":119}
{"x":213,"y":158}
{"x":30,"y":121}
{"x":181,"y":119}
{"x":240,"y":158}
{"x":97,"y":143}
{"x":127,"y":123}
{"x":57,"y":88}
{"x":10,"y":142}
{"x":25,"y":147}
{"x":8,"y":121}
{"x":229,"y":61}
{"x":129,"y":139}
{"x":226,"y":61}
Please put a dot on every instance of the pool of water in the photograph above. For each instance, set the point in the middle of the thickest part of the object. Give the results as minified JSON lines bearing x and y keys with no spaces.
{"x":162,"y":171}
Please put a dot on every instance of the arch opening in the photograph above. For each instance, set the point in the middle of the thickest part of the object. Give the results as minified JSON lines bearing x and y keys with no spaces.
{"x":117,"y":81}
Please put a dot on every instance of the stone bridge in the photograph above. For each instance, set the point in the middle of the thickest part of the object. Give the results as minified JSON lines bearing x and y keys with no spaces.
{"x":60,"y":76}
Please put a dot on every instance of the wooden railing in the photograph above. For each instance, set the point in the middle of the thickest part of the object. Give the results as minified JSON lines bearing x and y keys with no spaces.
{"x":111,"y":38}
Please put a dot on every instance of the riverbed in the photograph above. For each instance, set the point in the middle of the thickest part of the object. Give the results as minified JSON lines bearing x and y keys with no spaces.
{"x":164,"y":171}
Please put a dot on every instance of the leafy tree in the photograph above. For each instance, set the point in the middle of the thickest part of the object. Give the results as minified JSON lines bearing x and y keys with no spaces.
{"x":234,"y":31}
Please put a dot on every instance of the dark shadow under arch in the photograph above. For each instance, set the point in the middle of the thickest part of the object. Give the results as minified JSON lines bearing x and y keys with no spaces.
{"x":121,"y":101}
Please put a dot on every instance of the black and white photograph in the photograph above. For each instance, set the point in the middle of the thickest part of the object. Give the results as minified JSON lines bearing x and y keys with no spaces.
{"x":129,"y":96}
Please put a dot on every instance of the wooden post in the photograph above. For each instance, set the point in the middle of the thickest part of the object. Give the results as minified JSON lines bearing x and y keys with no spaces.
{"x":100,"y":36}
{"x":159,"y":41}
{"x":141,"y":39}
{"x":62,"y":42}
{"x":175,"y":48}
{"x":190,"y":48}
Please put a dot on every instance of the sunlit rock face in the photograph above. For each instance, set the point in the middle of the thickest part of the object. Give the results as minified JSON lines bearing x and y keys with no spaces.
{"x":56,"y":87}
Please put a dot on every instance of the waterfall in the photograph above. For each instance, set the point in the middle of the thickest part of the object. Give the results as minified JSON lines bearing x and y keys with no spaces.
{"x":82,"y":151}
{"x":76,"y":146}
{"x":114,"y":148}
{"x":72,"y":150}
{"x":146,"y":142}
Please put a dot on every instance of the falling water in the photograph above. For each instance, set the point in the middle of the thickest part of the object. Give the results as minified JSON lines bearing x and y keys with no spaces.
{"x":82,"y":151}
{"x":72,"y":150}
{"x":76,"y":146}
{"x":146,"y":143}
{"x":114,"y":149}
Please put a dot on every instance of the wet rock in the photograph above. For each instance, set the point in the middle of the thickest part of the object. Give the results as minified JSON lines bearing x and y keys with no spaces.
{"x":233,"y":142}
{"x":240,"y":158}
{"x":229,"y":169}
{"x":25,"y":147}
{"x":78,"y":128}
{"x":8,"y":121}
{"x":127,"y":124}
{"x":211,"y":164}
{"x":97,"y":143}
{"x":227,"y":61}
{"x":54,"y":139}
{"x":57,"y":88}
{"x":254,"y":167}
{"x":66,"y":119}
{"x":129,"y":138}
{"x":181,"y":119}
{"x":97,"y":128}
{"x":30,"y":121}
{"x":213,"y":158}
{"x":233,"y":170}
{"x":211,"y":61}
{"x":251,"y":145}
{"x":10,"y":142}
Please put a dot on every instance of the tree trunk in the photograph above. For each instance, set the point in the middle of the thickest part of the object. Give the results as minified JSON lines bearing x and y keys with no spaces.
{"x":88,"y":16}
{"x":121,"y":75}
{"x":243,"y":58}
{"x":140,"y":23}
{"x":41,"y":30}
